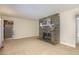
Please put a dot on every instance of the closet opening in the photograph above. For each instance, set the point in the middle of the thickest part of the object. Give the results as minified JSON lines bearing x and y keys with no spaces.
{"x":77,"y":31}
{"x":8,"y":29}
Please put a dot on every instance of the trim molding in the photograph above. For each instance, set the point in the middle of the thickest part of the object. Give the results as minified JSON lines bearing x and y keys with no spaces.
{"x":35,"y":37}
{"x":68,"y":44}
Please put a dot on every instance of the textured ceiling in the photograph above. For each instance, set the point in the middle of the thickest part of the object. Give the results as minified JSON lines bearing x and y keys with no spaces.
{"x":34,"y":11}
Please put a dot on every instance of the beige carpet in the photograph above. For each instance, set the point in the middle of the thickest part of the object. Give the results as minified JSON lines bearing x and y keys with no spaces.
{"x":35,"y":47}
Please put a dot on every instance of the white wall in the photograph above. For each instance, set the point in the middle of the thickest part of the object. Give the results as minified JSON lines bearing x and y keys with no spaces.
{"x":24,"y":27}
{"x":68,"y":27}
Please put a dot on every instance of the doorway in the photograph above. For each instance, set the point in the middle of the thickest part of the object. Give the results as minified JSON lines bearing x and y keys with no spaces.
{"x":8,"y":29}
{"x":77,"y":31}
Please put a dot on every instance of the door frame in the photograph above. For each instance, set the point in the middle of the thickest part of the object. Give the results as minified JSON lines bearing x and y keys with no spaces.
{"x":2,"y":33}
{"x":76,"y":29}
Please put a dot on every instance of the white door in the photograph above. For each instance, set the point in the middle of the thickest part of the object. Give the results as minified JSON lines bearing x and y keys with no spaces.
{"x":1,"y":33}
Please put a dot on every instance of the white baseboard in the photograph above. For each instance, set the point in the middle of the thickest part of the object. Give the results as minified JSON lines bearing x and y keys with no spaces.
{"x":68,"y":44}
{"x":26,"y":37}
